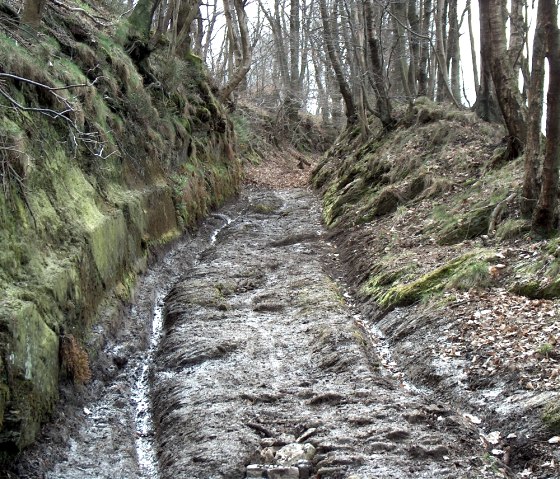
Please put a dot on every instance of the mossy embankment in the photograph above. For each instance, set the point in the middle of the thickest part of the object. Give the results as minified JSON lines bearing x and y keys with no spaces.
{"x":92,"y":177}
{"x":425,"y":204}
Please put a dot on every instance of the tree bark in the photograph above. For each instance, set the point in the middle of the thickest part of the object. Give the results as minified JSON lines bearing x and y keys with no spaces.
{"x":399,"y":19}
{"x":473,"y":48}
{"x":384,"y":110}
{"x":414,"y":46}
{"x":505,"y":81}
{"x":245,"y":64}
{"x":424,"y":49}
{"x":453,"y":51}
{"x":546,"y":216}
{"x":486,"y":105}
{"x":334,"y":57}
{"x":535,"y":111}
{"x":33,"y":12}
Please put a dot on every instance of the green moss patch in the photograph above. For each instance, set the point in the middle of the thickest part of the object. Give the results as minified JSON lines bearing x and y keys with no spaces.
{"x":394,"y":288}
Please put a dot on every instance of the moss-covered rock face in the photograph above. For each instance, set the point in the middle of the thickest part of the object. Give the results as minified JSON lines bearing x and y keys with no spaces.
{"x":84,"y":198}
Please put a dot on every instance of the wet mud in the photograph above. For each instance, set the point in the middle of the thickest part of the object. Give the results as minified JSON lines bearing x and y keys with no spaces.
{"x":243,"y":356}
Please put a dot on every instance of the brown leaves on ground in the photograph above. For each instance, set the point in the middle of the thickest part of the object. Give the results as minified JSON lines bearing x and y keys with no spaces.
{"x":282,"y":169}
{"x":502,"y":334}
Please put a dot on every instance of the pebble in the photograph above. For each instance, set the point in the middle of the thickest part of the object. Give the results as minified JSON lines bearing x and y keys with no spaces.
{"x":292,"y":453}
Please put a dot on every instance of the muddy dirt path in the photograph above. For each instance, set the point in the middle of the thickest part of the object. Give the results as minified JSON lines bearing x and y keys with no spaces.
{"x":256,"y":366}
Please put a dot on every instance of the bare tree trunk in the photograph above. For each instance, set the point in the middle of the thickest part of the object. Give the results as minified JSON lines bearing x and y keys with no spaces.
{"x":473,"y":47}
{"x":505,"y":81}
{"x":245,"y":65}
{"x":33,"y":12}
{"x":210,"y":31}
{"x":399,"y":19}
{"x":546,"y":215}
{"x":486,"y":106}
{"x":292,"y":103}
{"x":535,"y":94}
{"x":453,"y":51}
{"x":384,"y":110}
{"x":424,"y":49}
{"x":517,"y":41}
{"x":414,"y":46}
{"x":441,"y":50}
{"x":322,"y":97}
{"x":334,"y":57}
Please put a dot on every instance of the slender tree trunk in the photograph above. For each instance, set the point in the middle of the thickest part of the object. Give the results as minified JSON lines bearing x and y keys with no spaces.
{"x":414,"y":46}
{"x":517,"y":42}
{"x":292,"y":102}
{"x":453,"y":51}
{"x":486,"y":106}
{"x":384,"y":110}
{"x":334,"y":57}
{"x":424,"y":49}
{"x":506,"y":82}
{"x":245,"y":65}
{"x":322,"y":97}
{"x":441,"y":50}
{"x":473,"y":47}
{"x":546,"y":215}
{"x":399,"y":19}
{"x":535,"y":94}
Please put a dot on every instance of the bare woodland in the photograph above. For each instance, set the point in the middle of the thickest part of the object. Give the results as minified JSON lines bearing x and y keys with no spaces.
{"x":349,"y":61}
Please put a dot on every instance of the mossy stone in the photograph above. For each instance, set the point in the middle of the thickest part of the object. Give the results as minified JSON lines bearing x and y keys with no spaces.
{"x":32,"y":363}
{"x":551,"y":416}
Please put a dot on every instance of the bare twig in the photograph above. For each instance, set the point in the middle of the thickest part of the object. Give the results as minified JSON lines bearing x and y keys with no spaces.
{"x":87,"y":139}
{"x":101,"y":21}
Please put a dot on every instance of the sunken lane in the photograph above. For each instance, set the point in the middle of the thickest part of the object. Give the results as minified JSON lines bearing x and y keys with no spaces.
{"x":263,"y":369}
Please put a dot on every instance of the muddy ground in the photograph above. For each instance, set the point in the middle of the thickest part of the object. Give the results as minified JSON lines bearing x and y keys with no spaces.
{"x":259,"y":348}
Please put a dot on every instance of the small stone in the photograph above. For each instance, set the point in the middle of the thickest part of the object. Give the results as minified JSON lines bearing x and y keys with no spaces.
{"x":283,"y":473}
{"x":267,"y":455}
{"x":268,"y":442}
{"x":305,"y":469}
{"x":292,"y":453}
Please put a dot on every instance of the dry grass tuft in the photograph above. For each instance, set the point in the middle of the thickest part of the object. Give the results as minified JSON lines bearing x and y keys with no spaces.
{"x":74,"y":359}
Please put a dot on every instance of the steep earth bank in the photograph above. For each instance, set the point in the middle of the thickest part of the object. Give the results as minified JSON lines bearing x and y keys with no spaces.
{"x":100,"y":163}
{"x":434,"y":246}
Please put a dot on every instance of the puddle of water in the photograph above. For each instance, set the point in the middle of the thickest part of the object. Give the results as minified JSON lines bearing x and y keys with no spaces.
{"x":145,"y":450}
